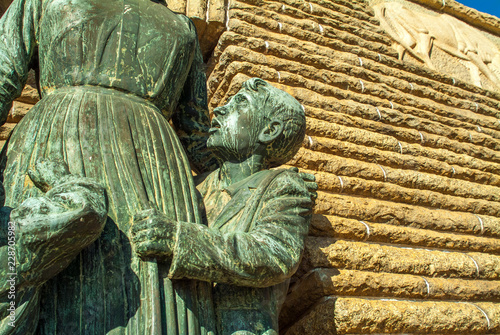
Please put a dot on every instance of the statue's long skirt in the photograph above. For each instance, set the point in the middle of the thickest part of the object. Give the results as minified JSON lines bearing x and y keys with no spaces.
{"x":123,"y":142}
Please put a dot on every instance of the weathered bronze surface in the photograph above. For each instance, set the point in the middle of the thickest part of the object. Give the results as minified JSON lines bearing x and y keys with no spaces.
{"x":43,"y":235}
{"x":257,"y":219}
{"x":112,"y":74}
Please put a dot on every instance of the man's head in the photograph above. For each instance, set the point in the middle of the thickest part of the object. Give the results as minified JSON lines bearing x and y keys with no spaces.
{"x":259,"y":119}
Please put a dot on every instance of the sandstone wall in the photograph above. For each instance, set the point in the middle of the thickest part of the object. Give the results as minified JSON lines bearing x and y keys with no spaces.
{"x":405,"y":236}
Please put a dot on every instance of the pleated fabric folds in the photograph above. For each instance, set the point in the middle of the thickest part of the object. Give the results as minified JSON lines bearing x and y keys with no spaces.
{"x":123,"y":142}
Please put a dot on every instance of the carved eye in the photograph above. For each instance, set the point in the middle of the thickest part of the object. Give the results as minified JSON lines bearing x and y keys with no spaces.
{"x":240,"y":98}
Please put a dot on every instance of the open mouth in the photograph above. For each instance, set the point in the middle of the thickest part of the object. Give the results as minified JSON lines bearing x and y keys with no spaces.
{"x":215,"y":126}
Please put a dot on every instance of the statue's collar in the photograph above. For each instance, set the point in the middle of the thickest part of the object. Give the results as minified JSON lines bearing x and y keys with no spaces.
{"x":249,"y":183}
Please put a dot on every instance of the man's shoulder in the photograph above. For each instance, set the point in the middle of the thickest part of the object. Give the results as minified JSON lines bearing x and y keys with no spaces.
{"x":286,"y":177}
{"x":256,"y":181}
{"x":278,"y":183}
{"x":263,"y":181}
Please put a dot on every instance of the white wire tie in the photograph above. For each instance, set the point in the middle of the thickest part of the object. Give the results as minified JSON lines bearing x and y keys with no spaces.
{"x":477,"y":106}
{"x":479,"y":129}
{"x":379,"y":114}
{"x":310,"y":141}
{"x":379,"y":58}
{"x":475,"y":263}
{"x":383,"y":171}
{"x":227,"y":14}
{"x":303,"y":108}
{"x":392,"y":105}
{"x":360,"y":61}
{"x":444,"y":4}
{"x":280,"y":26}
{"x":421,"y":137}
{"x":283,"y":8}
{"x":411,"y":86}
{"x":367,"y":230}
{"x":279,"y":76}
{"x":484,"y":313}
{"x":453,"y":81}
{"x":480,"y":222}
{"x":470,"y":137}
{"x":362,"y":86}
{"x":266,"y":43}
{"x":311,"y":7}
{"x":321,"y":29}
{"x":341,"y":184}
{"x":453,"y":171}
{"x":428,"y":286}
{"x":400,"y":147}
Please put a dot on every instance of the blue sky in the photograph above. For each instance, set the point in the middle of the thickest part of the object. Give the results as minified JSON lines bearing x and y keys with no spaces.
{"x":487,"y":6}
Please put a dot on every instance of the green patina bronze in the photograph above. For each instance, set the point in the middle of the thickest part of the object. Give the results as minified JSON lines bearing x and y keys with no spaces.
{"x":256,"y":218}
{"x":42,"y":236}
{"x":112,"y":75}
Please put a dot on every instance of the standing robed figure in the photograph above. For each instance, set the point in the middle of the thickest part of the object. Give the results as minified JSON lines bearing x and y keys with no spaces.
{"x":112,"y":74}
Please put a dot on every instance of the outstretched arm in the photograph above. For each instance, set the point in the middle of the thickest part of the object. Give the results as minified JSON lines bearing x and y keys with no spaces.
{"x":266,"y":255}
{"x":192,"y":121}
{"x":18,"y":31}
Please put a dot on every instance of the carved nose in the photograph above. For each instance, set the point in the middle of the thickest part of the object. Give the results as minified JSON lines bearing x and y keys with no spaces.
{"x":219,"y":111}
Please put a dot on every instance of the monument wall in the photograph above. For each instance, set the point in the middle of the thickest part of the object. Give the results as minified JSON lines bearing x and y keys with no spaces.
{"x":405,"y":148}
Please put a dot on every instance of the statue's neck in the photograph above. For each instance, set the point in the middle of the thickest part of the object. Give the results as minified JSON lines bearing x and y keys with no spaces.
{"x":234,"y":171}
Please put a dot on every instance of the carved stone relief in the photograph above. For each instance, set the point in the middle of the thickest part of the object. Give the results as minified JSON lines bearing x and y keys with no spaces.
{"x":440,"y":40}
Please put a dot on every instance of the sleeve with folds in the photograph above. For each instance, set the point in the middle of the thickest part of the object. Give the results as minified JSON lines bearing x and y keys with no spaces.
{"x":266,"y":255}
{"x":18,"y":42}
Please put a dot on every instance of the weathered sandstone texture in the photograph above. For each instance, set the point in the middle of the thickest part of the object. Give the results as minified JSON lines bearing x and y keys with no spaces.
{"x":405,"y":237}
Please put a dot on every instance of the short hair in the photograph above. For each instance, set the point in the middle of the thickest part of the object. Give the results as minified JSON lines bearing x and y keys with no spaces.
{"x":278,"y":104}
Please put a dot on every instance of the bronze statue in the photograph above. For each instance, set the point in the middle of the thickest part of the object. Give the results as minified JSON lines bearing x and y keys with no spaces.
{"x":257,"y":218}
{"x":112,"y":74}
{"x":42,"y":236}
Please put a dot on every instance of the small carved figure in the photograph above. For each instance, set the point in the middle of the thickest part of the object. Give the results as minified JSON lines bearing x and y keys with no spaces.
{"x":417,"y":33}
{"x":257,"y":218}
{"x":41,"y":237}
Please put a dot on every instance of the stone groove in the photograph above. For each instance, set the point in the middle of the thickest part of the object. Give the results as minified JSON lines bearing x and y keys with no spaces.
{"x":400,"y":214}
{"x":365,"y":316}
{"x":290,"y":15}
{"x":322,"y":282}
{"x":347,"y":159}
{"x":422,"y":132}
{"x":432,"y":75}
{"x":342,"y":228}
{"x":399,"y":194}
{"x":302,"y":48}
{"x":326,"y":166}
{"x":308,"y":28}
{"x":336,"y":9}
{"x":360,"y":136}
{"x":321,"y":252}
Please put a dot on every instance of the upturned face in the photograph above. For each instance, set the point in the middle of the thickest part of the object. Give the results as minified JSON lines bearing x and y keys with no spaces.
{"x":235,"y":126}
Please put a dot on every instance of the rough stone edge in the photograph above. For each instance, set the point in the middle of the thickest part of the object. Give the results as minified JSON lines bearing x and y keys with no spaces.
{"x":472,"y":16}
